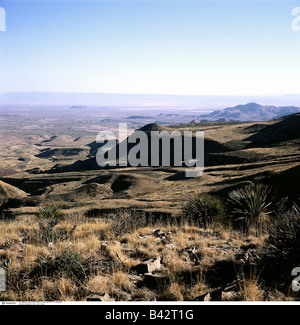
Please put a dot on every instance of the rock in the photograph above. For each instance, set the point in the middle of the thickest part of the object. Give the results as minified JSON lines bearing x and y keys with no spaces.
{"x":148,"y":266}
{"x":194,"y":255}
{"x":205,"y":297}
{"x":218,"y":295}
{"x":155,"y":281}
{"x":191,"y":249}
{"x":227,"y":292}
{"x":104,"y":298}
{"x":135,"y":278}
{"x":159,"y":233}
{"x":51,"y":245}
{"x":248,"y":257}
{"x":93,"y":298}
{"x":104,"y":248}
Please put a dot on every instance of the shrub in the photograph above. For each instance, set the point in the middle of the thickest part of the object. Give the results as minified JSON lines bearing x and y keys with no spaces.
{"x":50,"y":211}
{"x":282,"y":251}
{"x":68,"y":264}
{"x":251,"y":206}
{"x":284,"y":239}
{"x":47,"y":233}
{"x":204,"y":209}
{"x":126,"y":221}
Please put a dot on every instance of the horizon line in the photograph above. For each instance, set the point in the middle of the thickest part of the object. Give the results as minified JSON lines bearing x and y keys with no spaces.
{"x":151,"y":94}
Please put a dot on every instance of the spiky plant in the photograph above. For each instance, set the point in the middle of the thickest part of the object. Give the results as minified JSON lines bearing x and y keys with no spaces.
{"x":282,"y":249}
{"x":284,"y":239}
{"x":251,"y":206}
{"x":50,"y":211}
{"x":204,"y":209}
{"x":50,"y":215}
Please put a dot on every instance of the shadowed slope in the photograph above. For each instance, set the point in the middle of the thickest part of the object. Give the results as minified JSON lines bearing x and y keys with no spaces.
{"x":287,"y":128}
{"x":9,"y":192}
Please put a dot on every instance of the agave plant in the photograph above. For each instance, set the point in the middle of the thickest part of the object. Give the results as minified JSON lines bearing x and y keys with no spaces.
{"x":281,"y":253}
{"x":50,"y":215}
{"x":50,"y":211}
{"x":204,"y":209}
{"x":251,"y":205}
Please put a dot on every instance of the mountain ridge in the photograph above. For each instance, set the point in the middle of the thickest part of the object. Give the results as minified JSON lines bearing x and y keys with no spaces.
{"x":250,"y":112}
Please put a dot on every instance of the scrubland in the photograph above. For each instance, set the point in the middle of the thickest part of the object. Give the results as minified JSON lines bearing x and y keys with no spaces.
{"x":208,"y":253}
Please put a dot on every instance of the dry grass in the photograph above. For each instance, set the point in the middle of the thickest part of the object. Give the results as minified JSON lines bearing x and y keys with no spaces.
{"x":186,"y":251}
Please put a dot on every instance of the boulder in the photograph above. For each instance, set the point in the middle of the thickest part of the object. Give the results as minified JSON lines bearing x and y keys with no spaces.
{"x":155,"y":281}
{"x":148,"y":266}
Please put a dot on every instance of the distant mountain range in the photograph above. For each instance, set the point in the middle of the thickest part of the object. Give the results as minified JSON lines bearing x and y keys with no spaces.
{"x":144,"y":101}
{"x":250,"y":112}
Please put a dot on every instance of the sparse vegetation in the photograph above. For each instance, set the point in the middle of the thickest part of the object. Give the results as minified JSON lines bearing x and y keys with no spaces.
{"x":204,"y":210}
{"x":126,"y":222}
{"x":251,"y":206}
{"x":96,"y":256}
{"x":282,"y":253}
{"x":75,"y":232}
{"x":50,"y":212}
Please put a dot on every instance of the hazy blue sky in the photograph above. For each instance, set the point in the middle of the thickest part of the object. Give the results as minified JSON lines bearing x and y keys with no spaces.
{"x":151,"y":46}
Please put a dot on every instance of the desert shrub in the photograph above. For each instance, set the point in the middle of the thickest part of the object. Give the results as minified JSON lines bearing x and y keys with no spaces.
{"x":50,"y":215}
{"x":282,"y":250}
{"x":251,"y":206}
{"x":126,"y":221}
{"x":284,"y":239}
{"x":204,"y":210}
{"x":50,"y":211}
{"x":48,"y":234}
{"x":68,"y":264}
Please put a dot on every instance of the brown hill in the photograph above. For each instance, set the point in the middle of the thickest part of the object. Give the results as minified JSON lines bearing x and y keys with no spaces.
{"x":153,"y":127}
{"x":287,"y":128}
{"x":9,"y":192}
{"x":126,"y":182}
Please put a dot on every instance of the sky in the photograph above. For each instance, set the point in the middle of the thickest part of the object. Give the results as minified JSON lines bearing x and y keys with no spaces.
{"x":199,"y":47}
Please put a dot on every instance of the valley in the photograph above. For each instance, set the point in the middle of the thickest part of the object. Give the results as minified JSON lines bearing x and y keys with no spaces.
{"x":53,"y":160}
{"x":71,"y":230}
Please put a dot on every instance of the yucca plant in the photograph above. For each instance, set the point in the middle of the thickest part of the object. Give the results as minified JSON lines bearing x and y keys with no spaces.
{"x":204,"y":209}
{"x":50,"y":215}
{"x":251,"y":206}
{"x":282,"y":249}
{"x":284,"y":239}
{"x":50,"y":211}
